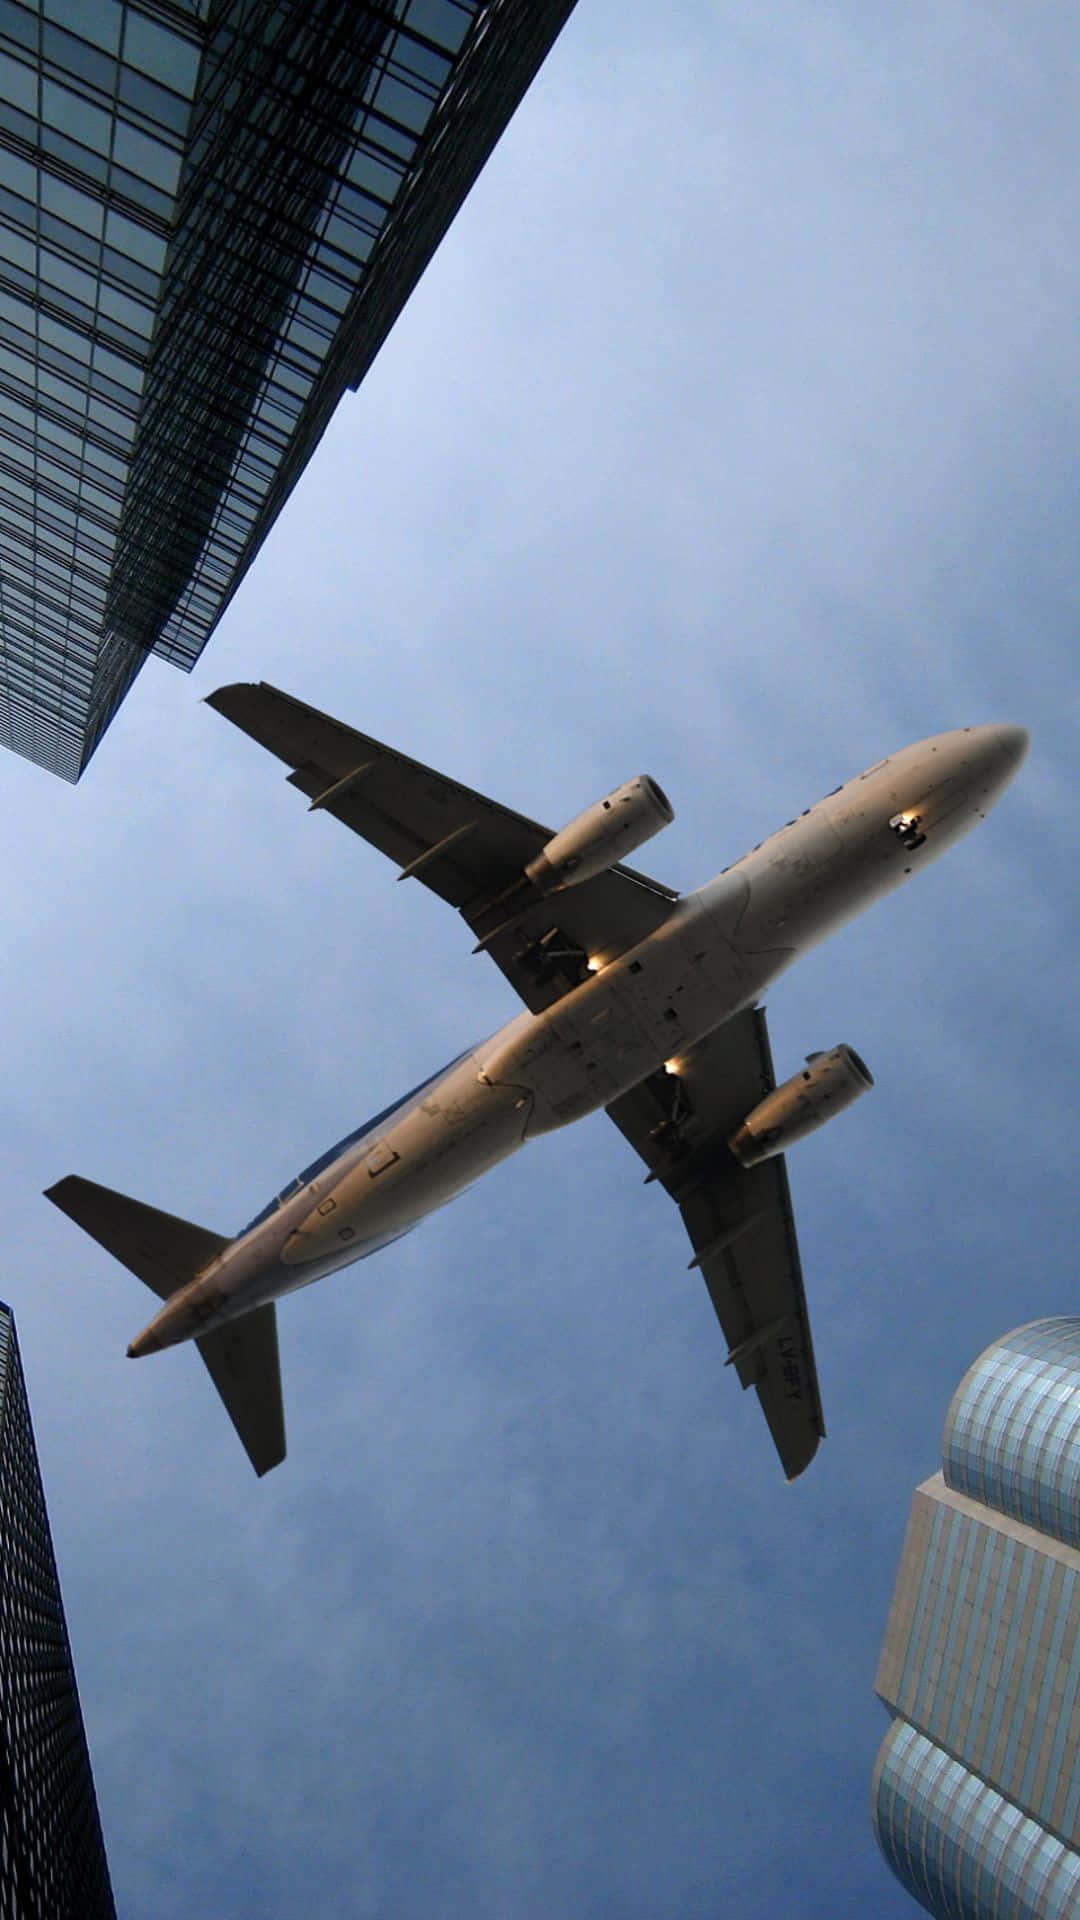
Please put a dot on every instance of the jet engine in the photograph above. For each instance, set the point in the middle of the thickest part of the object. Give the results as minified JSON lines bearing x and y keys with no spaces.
{"x":829,"y":1082}
{"x":602,"y":836}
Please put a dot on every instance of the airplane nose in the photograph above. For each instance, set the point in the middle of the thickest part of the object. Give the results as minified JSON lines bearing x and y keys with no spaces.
{"x":1013,"y":743}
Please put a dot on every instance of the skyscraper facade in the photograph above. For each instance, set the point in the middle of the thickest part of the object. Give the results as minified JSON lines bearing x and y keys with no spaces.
{"x":211,"y":212}
{"x":52,"y":1857}
{"x":976,"y":1792}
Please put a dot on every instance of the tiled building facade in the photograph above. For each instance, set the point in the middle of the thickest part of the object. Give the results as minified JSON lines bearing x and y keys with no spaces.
{"x":976,"y":1797}
{"x":211,"y":213}
{"x":52,"y":1857}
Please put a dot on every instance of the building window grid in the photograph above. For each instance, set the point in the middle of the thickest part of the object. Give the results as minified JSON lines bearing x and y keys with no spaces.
{"x":1012,"y":1435}
{"x":960,"y":1847}
{"x":1050,"y":1663}
{"x":286,"y":382}
{"x":1005,"y":1864}
{"x":99,"y":132}
{"x":51,"y":1838}
{"x":916,"y":1649}
{"x":1065,"y":1723}
{"x":115,"y":324}
{"x":153,"y":523}
{"x":993,"y":1667}
{"x":1000,"y":1723}
{"x":1032,"y":1628}
{"x":933,"y":1671}
{"x":970,"y":1597}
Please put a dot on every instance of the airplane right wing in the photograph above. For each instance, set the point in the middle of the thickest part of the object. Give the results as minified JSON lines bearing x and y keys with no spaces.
{"x":469,"y":850}
{"x":739,"y":1220}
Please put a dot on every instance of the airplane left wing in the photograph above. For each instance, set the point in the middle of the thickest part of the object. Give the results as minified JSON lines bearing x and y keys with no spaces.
{"x":739,"y":1220}
{"x":470,"y":851}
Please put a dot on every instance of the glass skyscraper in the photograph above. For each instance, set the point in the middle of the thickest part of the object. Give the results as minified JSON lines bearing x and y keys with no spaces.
{"x":976,"y":1792}
{"x":52,"y":1857}
{"x":211,"y":213}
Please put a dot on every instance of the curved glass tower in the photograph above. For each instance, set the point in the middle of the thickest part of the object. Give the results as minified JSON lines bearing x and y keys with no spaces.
{"x":976,"y":1790}
{"x":1012,"y":1432}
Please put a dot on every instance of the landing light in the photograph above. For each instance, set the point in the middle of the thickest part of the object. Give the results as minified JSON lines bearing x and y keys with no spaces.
{"x":907,"y":827}
{"x":671,"y":1066}
{"x":593,"y":964}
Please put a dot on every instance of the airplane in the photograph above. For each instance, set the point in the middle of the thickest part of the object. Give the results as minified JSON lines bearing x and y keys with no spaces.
{"x":636,"y":999}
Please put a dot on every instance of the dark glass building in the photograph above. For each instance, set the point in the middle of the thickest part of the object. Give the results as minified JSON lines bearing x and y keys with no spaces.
{"x":211,"y":212}
{"x":52,"y":1857}
{"x":976,"y":1794}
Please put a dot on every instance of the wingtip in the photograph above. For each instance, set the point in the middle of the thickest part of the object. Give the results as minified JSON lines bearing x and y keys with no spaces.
{"x":60,"y":1189}
{"x":224,"y":698}
{"x":220,"y":695}
{"x":803,"y":1464}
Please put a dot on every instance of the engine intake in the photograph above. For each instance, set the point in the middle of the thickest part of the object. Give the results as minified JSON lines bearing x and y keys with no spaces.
{"x":602,"y":836}
{"x":829,"y":1082}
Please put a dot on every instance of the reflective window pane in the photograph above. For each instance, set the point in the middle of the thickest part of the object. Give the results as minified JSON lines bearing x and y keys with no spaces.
{"x":95,"y":20}
{"x":79,"y":209}
{"x":163,"y":55}
{"x":127,"y":236}
{"x":18,"y":84}
{"x":70,"y":114}
{"x":149,"y":159}
{"x":18,"y":174}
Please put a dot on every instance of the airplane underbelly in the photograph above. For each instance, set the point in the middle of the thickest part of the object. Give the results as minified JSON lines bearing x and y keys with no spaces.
{"x":431,"y":1153}
{"x":615,"y":1029}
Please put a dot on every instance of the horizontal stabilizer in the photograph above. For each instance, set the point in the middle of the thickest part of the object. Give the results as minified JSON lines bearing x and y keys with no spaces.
{"x":242,"y":1359}
{"x":163,"y":1251}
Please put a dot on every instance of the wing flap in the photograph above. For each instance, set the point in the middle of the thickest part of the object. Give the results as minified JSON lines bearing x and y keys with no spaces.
{"x":242,"y":1361}
{"x":739,"y":1221}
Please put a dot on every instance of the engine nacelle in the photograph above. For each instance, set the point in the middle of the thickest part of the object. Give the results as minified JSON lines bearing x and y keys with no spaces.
{"x":828,"y":1083}
{"x":602,"y":836}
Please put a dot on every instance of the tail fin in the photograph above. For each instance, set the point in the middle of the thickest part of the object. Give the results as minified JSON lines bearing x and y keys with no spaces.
{"x":242,"y":1356}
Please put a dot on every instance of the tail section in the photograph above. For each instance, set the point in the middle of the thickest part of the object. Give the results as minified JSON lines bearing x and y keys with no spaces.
{"x":164,"y":1252}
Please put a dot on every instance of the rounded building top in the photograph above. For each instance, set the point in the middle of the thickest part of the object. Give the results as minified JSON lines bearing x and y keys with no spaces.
{"x":957,"y":1844}
{"x":1012,"y":1432}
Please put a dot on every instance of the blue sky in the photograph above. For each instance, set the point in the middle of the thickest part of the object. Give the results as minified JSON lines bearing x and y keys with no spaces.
{"x":731,"y":436}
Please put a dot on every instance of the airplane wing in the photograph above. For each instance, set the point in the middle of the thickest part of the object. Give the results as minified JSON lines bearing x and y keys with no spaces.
{"x":468,"y":850}
{"x":739,"y":1220}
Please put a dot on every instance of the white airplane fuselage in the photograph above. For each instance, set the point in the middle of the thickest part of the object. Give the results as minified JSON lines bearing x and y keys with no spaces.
{"x":718,"y":951}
